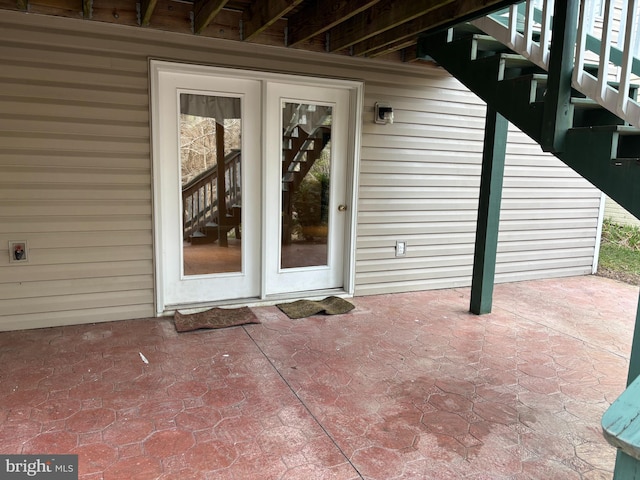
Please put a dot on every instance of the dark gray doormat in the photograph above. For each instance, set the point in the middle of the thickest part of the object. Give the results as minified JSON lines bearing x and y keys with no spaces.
{"x":306,"y":308}
{"x":214,"y":318}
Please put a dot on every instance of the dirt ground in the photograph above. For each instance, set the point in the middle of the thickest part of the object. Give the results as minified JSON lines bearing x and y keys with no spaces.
{"x":630,"y":278}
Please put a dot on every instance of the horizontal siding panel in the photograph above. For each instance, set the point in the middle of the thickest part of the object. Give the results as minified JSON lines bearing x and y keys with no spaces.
{"x":61,"y":126}
{"x":539,"y":234}
{"x":415,"y":253}
{"x":400,"y":265}
{"x":28,"y":158}
{"x":70,"y":57}
{"x":419,"y":180}
{"x":425,"y":228}
{"x":393,"y":192}
{"x":544,"y":245}
{"x":73,"y":191}
{"x":98,"y":176}
{"x":87,"y":111}
{"x":75,"y":317}
{"x":38,"y":273}
{"x":449,"y":281}
{"x":548,"y":193}
{"x":421,"y":120}
{"x":54,"y":208}
{"x":417,"y":204}
{"x":79,"y":255}
{"x":89,"y":143}
{"x":406,"y":155}
{"x":39,"y":224}
{"x":565,"y":181}
{"x":539,"y":171}
{"x":550,"y":203}
{"x":75,"y":287}
{"x":15,"y":70}
{"x":46,"y":304}
{"x":414,"y":240}
{"x":552,"y":272}
{"x":418,"y":168}
{"x":543,"y":264}
{"x":70,"y":95}
{"x":84,"y":239}
{"x":425,"y":143}
{"x":532,"y":214}
{"x":405,"y":130}
{"x":411,"y":216}
{"x":379,"y":279}
{"x":528,"y":225}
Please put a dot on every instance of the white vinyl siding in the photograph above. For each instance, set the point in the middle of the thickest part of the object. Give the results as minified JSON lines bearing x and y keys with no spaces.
{"x":75,"y":173}
{"x":419,"y":183}
{"x":618,"y":214}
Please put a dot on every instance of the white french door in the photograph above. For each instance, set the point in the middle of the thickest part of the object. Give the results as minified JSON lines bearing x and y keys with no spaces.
{"x":252,"y":184}
{"x":306,"y":187}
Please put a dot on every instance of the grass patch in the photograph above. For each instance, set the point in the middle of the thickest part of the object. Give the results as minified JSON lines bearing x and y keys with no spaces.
{"x":620,"y":253}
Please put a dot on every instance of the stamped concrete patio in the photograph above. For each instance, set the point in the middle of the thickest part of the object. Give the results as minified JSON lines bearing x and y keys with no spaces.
{"x":406,"y":386}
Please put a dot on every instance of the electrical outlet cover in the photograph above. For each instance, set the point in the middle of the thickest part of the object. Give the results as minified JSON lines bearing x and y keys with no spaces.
{"x":18,"y":252}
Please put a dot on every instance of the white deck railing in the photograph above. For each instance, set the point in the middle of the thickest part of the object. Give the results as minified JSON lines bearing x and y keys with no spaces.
{"x":607,"y":38}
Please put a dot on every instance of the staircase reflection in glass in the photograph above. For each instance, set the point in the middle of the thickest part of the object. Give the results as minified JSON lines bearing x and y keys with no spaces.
{"x":210,"y":159}
{"x":306,"y":167}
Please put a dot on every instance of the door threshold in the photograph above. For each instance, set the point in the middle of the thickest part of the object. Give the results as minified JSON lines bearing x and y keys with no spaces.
{"x":267,"y":301}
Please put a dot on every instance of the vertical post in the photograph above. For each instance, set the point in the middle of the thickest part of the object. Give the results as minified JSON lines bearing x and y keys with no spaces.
{"x":484,"y":261}
{"x":558,"y":114}
{"x":221,"y":187}
{"x":634,"y":360}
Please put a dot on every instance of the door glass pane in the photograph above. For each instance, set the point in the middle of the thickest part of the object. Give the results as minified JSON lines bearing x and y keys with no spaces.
{"x":306,"y":167}
{"x":210,"y":159}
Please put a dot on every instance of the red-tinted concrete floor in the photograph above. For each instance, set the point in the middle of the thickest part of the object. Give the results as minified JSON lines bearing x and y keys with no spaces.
{"x":406,"y":386}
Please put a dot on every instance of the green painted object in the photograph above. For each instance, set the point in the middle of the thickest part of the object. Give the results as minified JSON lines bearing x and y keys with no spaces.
{"x":621,"y":428}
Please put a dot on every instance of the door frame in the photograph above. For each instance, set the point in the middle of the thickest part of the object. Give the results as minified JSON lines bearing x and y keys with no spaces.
{"x":356,"y":94}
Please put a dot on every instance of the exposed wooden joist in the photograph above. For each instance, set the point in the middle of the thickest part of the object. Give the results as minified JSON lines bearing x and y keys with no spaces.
{"x":265,"y":13}
{"x":383,"y":16}
{"x":87,"y":9}
{"x":321,"y":15}
{"x":146,"y":10}
{"x":441,"y":17}
{"x":394,"y":47}
{"x":204,"y":12}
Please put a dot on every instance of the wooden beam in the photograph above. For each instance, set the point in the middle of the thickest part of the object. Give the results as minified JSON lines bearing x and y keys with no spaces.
{"x":383,"y":16}
{"x":320,"y":15}
{"x":264,"y":13}
{"x":394,"y":47}
{"x":87,"y":9}
{"x":441,"y":17}
{"x":484,"y":258}
{"x":204,"y":11}
{"x":558,"y":115}
{"x":146,"y":10}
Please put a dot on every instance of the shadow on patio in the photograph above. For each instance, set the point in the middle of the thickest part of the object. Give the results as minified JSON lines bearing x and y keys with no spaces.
{"x":406,"y":386}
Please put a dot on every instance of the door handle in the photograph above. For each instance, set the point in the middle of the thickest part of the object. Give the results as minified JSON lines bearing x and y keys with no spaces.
{"x":342,"y":208}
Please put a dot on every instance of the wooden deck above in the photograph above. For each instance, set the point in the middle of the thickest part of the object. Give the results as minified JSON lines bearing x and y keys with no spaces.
{"x":370,"y":28}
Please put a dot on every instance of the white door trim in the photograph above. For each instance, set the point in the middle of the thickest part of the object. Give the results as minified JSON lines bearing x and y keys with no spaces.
{"x":355,"y":88}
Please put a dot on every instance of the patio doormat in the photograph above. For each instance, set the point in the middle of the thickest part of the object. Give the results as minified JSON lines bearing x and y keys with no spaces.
{"x":214,"y":318}
{"x":306,"y":308}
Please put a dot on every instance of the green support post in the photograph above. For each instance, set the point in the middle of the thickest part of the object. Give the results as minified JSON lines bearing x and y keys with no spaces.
{"x":558,"y":114}
{"x":634,"y":360}
{"x":484,"y":261}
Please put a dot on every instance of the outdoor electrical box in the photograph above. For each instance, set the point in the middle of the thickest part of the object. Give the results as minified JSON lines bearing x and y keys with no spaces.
{"x":18,"y":252}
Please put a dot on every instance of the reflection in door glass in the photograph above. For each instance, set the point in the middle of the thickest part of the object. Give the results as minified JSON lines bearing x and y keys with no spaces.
{"x":306,"y":167}
{"x":210,"y":159}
